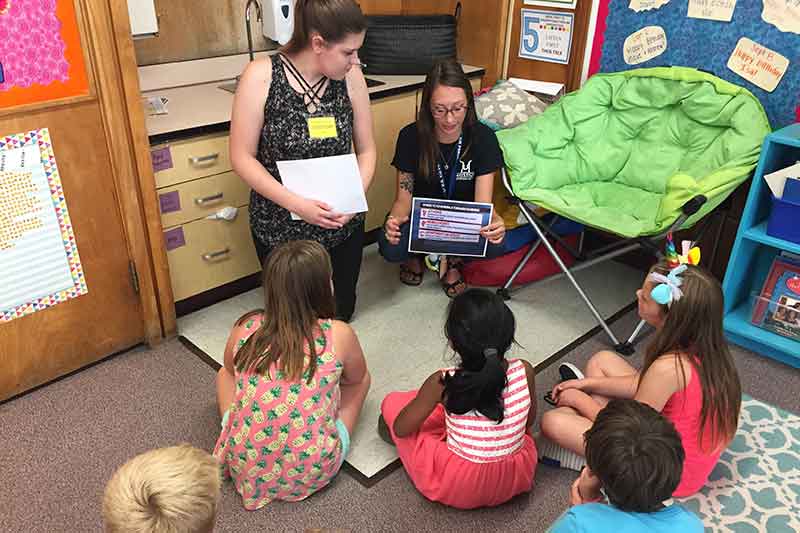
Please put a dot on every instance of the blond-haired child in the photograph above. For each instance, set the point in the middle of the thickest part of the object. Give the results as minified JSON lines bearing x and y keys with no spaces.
{"x":166,"y":490}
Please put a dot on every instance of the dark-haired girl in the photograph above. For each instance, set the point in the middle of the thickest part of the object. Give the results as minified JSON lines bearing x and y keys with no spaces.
{"x":464,"y":437}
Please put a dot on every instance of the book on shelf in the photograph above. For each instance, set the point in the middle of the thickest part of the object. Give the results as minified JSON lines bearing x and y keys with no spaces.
{"x":777,"y":306}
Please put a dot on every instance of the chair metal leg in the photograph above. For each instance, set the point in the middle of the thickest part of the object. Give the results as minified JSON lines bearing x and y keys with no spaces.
{"x":568,"y":274}
{"x":627,"y":347}
{"x":504,"y":290}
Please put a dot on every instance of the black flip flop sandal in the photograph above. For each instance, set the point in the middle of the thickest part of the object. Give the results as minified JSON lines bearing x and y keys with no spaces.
{"x":409,"y":277}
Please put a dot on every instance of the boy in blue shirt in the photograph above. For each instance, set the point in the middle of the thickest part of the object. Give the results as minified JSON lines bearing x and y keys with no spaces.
{"x":634,"y":458}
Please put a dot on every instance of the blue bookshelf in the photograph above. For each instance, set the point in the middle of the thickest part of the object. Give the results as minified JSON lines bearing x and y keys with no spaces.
{"x":753,"y":252}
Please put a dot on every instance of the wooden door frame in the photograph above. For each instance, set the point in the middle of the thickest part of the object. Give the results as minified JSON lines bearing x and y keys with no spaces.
{"x":157,"y":266}
{"x":106,"y":37}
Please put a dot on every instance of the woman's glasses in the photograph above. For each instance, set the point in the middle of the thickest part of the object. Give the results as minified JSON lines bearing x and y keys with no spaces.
{"x":441,"y":111}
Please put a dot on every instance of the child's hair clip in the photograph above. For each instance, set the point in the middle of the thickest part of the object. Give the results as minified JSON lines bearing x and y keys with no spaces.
{"x":668,"y":288}
{"x":690,"y":255}
{"x":489,"y":352}
{"x":671,"y":253}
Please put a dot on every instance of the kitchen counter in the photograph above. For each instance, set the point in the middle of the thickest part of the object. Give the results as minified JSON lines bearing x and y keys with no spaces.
{"x":197,"y":104}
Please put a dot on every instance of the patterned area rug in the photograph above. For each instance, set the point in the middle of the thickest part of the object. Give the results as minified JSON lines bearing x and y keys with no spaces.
{"x":755,"y":487}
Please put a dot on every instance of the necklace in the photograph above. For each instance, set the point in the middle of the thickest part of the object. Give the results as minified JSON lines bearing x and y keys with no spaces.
{"x":446,"y":160}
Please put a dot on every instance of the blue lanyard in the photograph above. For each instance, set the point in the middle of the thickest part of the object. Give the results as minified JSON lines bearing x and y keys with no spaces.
{"x":448,"y":191}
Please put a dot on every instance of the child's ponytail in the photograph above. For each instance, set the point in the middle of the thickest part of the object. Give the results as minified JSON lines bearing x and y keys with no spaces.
{"x":480,"y":390}
{"x":480,"y":328}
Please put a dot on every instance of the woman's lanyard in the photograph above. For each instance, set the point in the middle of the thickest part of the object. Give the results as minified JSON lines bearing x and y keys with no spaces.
{"x":450,"y":188}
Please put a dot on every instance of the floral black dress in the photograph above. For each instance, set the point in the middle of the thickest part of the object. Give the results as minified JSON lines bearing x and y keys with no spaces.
{"x":285,"y":137}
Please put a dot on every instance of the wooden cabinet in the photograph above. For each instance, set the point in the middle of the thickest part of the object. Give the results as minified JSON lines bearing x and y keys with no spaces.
{"x":389,"y":116}
{"x":203,"y":253}
{"x":193,"y":158}
{"x":211,"y":253}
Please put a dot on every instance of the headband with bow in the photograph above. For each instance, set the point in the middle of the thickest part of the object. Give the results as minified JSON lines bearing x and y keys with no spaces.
{"x":668,"y":289}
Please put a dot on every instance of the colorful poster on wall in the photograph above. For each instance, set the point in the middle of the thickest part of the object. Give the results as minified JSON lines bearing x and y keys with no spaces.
{"x":644,"y":45}
{"x":546,"y":35}
{"x":783,"y":14}
{"x":39,"y":262}
{"x":40,"y":52}
{"x":758,"y":64}
{"x":646,"y":5}
{"x":721,"y":10}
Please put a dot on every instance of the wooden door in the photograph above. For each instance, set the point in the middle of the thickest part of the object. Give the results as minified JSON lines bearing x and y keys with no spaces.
{"x":91,"y":139}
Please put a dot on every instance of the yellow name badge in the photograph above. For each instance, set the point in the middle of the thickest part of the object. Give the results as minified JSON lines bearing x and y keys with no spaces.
{"x":322,"y":128}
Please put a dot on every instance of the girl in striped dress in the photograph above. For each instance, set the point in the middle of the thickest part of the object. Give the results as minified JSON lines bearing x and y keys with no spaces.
{"x":464,"y":436}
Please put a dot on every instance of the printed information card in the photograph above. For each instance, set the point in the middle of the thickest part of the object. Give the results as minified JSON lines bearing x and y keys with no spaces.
{"x":39,"y":262}
{"x":546,"y":35}
{"x":448,"y":227}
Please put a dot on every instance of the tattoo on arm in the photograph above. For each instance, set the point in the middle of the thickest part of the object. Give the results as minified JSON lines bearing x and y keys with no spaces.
{"x":407,"y":182}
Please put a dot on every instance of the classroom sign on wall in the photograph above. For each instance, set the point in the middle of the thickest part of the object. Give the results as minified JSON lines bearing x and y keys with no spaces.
{"x":39,"y":262}
{"x":40,"y":52}
{"x":546,"y":35}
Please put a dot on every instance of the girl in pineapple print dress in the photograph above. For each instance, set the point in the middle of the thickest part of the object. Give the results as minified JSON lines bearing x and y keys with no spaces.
{"x":292,"y":385}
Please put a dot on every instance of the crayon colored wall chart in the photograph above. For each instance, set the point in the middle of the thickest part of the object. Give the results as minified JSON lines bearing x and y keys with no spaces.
{"x":39,"y":262}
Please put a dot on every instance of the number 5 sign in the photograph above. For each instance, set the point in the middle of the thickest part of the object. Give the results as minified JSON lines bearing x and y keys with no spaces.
{"x":546,"y":35}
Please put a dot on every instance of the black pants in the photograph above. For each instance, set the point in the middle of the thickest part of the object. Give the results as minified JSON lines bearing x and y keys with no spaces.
{"x":346,"y":262}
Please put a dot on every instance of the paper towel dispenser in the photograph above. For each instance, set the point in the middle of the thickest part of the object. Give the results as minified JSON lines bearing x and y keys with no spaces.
{"x":278,"y":20}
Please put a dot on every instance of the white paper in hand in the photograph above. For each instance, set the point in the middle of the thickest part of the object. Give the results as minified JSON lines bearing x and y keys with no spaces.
{"x":334,"y":180}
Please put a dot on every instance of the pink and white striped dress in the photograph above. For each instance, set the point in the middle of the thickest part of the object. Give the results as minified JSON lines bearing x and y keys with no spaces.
{"x":468,"y":461}
{"x":481,"y":440}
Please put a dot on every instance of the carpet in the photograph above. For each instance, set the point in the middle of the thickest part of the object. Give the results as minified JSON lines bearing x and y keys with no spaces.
{"x":756,"y":484}
{"x":62,"y":442}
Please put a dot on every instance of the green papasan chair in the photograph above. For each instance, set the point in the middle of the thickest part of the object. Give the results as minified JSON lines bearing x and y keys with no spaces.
{"x":638,"y":154}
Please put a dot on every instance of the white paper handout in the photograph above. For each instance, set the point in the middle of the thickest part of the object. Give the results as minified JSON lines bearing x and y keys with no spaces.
{"x":777,"y":179}
{"x":334,"y":180}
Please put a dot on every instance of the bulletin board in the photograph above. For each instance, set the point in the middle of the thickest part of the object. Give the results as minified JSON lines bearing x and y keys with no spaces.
{"x":703,"y":44}
{"x":40,"y":52}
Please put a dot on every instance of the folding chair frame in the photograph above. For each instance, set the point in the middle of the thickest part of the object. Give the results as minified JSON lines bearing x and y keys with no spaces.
{"x":586,"y":260}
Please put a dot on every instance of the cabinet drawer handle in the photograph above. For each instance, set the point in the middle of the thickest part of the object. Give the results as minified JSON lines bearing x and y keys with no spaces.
{"x":204,"y":160}
{"x":210,"y":256}
{"x":208,"y":199}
